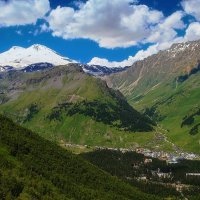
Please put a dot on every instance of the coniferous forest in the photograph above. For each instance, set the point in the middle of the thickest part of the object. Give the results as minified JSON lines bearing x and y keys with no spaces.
{"x":34,"y":168}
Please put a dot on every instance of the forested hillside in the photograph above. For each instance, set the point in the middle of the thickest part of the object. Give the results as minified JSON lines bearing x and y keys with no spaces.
{"x":155,"y":177}
{"x":33,"y":168}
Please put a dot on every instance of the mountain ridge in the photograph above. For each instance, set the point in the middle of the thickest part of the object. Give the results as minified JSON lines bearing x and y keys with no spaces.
{"x":64,"y":103}
{"x":166,"y":87}
{"x":39,"y":57}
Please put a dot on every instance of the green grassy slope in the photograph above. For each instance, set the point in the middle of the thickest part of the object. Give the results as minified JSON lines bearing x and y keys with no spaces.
{"x":34,"y":168}
{"x":177,"y":110}
{"x":171,"y":104}
{"x":166,"y":86}
{"x":65,"y":104}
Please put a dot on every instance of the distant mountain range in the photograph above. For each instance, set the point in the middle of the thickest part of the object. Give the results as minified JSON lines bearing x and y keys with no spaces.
{"x":81,"y":108}
{"x":97,"y":70}
{"x":38,"y":57}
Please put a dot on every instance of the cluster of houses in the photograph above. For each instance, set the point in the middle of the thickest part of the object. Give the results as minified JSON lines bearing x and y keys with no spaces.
{"x":170,"y":158}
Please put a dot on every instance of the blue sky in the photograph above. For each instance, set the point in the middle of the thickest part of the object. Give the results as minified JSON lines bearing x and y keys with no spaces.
{"x":119,"y":30}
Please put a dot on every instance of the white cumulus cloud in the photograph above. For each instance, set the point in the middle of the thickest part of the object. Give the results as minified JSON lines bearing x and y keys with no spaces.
{"x":140,"y":55}
{"x":163,"y":35}
{"x":191,"y":7}
{"x":166,"y":31}
{"x":22,"y":12}
{"x":193,"y":32}
{"x":116,"y":23}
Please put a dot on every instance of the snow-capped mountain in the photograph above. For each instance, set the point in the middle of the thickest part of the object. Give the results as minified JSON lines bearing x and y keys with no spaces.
{"x":6,"y":68}
{"x":38,"y":57}
{"x":19,"y":57}
{"x":97,"y":70}
{"x":37,"y":67}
